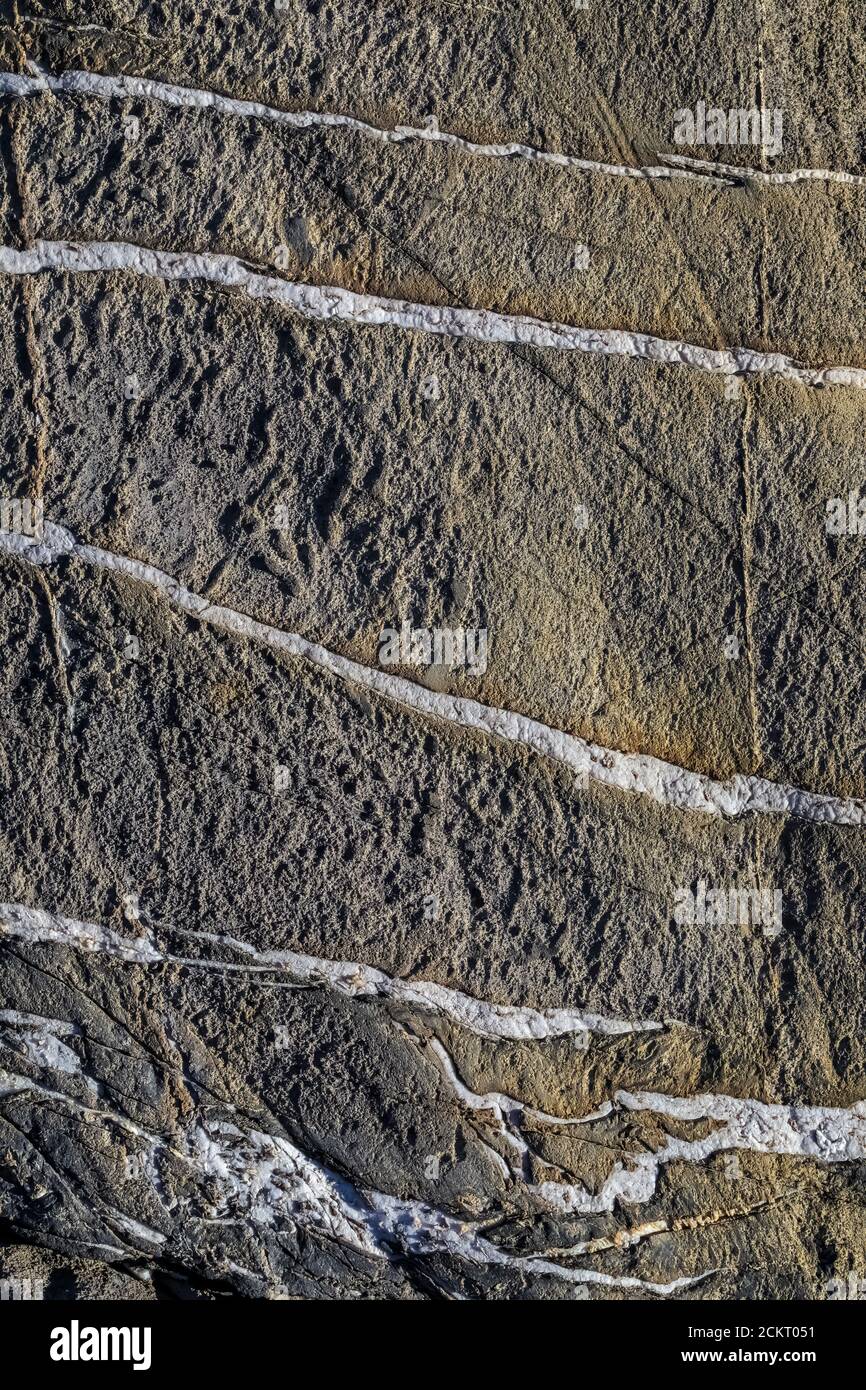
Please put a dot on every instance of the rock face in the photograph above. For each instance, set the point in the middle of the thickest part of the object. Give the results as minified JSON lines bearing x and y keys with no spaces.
{"x":432,"y":852}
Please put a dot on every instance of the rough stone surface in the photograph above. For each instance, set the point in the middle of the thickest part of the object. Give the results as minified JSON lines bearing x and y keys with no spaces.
{"x":310,"y":991}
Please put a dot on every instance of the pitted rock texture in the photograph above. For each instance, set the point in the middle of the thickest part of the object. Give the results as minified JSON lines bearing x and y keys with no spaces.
{"x":330,"y":974}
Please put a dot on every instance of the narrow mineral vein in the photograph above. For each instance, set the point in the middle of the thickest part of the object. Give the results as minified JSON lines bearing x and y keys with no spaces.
{"x":823,"y":1133}
{"x":109,"y":87}
{"x":130,"y":87}
{"x":632,"y":772}
{"x":264,"y":1179}
{"x":479,"y":325}
{"x":629,"y":1236}
{"x":497,"y":1022}
{"x":776,"y":178}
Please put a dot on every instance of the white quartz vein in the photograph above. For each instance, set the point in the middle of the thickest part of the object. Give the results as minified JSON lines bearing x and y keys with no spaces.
{"x":497,"y":1022}
{"x":479,"y":325}
{"x":821,"y":1133}
{"x":263,"y":1179}
{"x":130,"y":87}
{"x":108,"y":87}
{"x":630,"y":772}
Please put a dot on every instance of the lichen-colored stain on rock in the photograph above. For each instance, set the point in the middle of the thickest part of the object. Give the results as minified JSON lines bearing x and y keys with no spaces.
{"x":432,"y":587}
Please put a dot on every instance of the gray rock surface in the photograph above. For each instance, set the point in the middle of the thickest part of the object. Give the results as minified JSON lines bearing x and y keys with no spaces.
{"x":327,"y":976}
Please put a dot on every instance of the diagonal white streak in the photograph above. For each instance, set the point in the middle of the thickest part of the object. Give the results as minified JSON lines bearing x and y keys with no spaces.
{"x":129,"y":87}
{"x":372,"y":311}
{"x":633,"y":772}
{"x":108,"y":87}
{"x":497,"y":1022}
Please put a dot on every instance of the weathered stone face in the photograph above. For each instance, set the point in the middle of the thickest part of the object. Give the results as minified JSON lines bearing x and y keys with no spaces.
{"x":431,"y":586}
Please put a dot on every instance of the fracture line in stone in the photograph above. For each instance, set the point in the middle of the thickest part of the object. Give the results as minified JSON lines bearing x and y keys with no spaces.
{"x":264,"y":1179}
{"x":478,"y":325}
{"x":627,"y":1237}
{"x":498,"y":1022}
{"x":632,"y":772}
{"x":129,"y":87}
